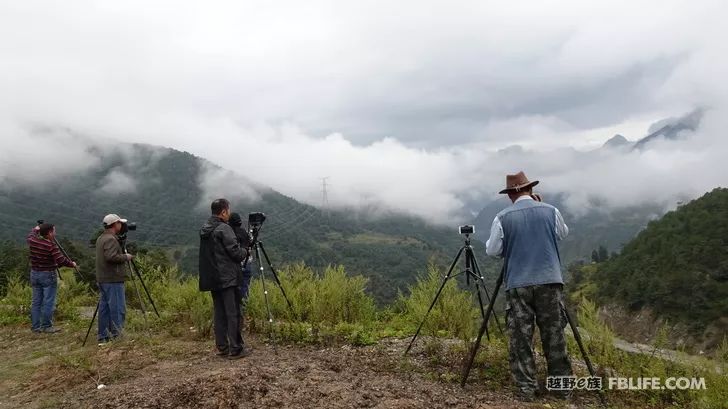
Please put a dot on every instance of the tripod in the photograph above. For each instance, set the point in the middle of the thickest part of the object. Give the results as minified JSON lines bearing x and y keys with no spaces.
{"x":63,"y":251}
{"x":483,"y":329}
{"x":258,"y":248}
{"x":133,"y":269}
{"x":472,"y":271}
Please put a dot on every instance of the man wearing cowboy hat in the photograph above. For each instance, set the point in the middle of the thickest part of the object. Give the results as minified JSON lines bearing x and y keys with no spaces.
{"x":525,"y":234}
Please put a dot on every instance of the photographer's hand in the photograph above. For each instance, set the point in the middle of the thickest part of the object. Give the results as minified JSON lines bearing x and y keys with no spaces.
{"x":129,"y":257}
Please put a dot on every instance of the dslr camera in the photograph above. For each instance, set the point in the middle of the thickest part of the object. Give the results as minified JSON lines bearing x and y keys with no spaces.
{"x":126,"y":227}
{"x":255,"y":220}
{"x":467,"y":229}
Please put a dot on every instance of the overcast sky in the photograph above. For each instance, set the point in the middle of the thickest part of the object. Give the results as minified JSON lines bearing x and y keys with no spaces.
{"x":404,"y":103}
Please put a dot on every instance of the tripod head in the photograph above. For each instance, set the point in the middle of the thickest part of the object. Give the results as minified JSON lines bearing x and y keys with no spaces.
{"x":255,"y":224}
{"x":466,"y":231}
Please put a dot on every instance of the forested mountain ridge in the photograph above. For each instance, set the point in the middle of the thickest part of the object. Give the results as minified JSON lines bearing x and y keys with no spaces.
{"x":676,"y":267}
{"x":167,"y":193}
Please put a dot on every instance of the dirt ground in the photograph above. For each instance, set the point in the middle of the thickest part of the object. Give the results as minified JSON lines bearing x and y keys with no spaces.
{"x":52,"y":371}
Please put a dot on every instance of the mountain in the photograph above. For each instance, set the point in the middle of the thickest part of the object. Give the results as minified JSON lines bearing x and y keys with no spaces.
{"x":599,"y":225}
{"x":167,"y":193}
{"x":671,"y":128}
{"x":677,"y":267}
{"x":616,"y":142}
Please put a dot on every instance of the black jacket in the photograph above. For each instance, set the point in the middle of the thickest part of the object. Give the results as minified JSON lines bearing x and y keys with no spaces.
{"x":220,"y":256}
{"x":241,"y":233}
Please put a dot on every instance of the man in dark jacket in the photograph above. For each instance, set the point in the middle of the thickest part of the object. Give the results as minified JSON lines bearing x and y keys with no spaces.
{"x":220,"y":273}
{"x":245,"y":241}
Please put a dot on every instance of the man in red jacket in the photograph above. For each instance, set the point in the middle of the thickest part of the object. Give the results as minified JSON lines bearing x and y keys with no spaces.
{"x":45,"y":259}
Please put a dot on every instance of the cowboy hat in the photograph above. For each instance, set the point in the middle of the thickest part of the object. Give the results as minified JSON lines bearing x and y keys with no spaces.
{"x":517,"y":183}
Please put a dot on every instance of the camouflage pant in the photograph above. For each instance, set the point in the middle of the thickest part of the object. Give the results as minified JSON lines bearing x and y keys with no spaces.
{"x":542,"y":304}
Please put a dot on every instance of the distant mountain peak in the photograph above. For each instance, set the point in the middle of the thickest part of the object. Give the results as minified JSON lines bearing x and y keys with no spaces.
{"x":616,"y":141}
{"x":672,"y":128}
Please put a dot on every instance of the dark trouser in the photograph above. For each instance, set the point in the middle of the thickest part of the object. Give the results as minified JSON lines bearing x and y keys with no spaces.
{"x":542,"y":303}
{"x":226,"y":303}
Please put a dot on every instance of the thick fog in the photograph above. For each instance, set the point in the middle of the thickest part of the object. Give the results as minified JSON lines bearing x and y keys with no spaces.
{"x":414,"y":106}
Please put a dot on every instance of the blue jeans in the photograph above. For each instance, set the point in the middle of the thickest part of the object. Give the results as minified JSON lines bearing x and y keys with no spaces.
{"x":112,"y":310}
{"x":45,"y":288}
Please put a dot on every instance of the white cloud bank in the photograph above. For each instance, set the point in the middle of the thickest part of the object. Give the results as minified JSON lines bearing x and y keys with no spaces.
{"x":404,"y":104}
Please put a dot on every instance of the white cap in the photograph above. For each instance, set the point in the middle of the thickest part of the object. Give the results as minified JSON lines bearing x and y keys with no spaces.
{"x":110,"y":219}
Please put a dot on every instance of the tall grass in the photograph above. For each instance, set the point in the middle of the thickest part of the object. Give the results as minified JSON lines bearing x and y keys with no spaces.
{"x":599,"y":342}
{"x":72,"y":294}
{"x":325,"y":300}
{"x":454,"y":314}
{"x":177,"y":298}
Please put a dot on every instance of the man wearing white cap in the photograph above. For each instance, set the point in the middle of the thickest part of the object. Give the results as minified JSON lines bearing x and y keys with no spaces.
{"x":110,"y":276}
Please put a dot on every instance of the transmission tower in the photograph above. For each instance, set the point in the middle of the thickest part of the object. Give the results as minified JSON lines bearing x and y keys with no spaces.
{"x":325,"y":198}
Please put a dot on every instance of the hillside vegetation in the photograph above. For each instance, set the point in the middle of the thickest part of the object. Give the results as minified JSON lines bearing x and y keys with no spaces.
{"x":677,"y":267}
{"x":169,"y":200}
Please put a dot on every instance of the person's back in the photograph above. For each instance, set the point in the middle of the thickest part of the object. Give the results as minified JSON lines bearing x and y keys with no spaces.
{"x":526,"y":235}
{"x":530,"y":244}
{"x":220,"y":256}
{"x":220,"y":274}
{"x":45,"y":258}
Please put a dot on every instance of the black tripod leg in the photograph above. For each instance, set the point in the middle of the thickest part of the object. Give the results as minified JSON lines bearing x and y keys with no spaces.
{"x":434,"y":300}
{"x":267,"y":302}
{"x":470,"y":272}
{"x":275,"y":276}
{"x":90,"y":325}
{"x":139,"y":295}
{"x":584,"y":355}
{"x":144,"y":286}
{"x":487,"y":295}
{"x":482,"y":310}
{"x":483,"y":327}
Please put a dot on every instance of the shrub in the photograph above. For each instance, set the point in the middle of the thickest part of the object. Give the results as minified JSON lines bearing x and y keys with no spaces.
{"x":328,"y":300}
{"x":454,"y":314}
{"x":15,"y":306}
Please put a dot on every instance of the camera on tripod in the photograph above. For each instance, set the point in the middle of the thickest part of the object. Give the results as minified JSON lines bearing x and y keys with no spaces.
{"x":126,"y":227}
{"x":255,"y":220}
{"x":467,"y":229}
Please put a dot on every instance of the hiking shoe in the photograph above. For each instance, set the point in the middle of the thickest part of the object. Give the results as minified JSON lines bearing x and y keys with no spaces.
{"x":242,"y":354}
{"x":526,"y":395}
{"x":51,"y":330}
{"x":561,"y":395}
{"x":222,"y":352}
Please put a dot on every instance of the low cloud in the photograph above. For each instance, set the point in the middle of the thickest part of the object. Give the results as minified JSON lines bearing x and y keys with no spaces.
{"x":415,"y":109}
{"x":117,"y":182}
{"x":33,"y":156}
{"x":217,"y":182}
